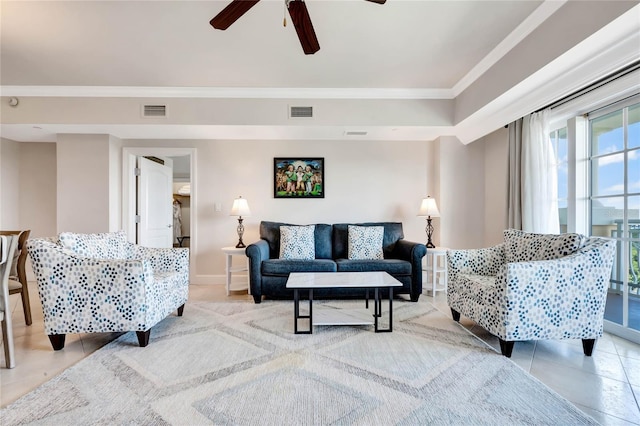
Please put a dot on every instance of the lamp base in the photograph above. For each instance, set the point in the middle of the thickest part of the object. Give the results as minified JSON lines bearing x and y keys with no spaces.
{"x":240,"y":233}
{"x":429,"y":230}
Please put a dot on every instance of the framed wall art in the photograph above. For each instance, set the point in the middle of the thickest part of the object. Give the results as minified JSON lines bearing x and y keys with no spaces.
{"x":298,"y":177}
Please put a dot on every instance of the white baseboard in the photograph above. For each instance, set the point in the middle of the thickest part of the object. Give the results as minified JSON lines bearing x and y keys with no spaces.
{"x":217,"y":279}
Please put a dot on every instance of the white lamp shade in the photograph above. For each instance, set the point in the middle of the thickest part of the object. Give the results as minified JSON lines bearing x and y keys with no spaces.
{"x":429,"y":208}
{"x":240,"y":207}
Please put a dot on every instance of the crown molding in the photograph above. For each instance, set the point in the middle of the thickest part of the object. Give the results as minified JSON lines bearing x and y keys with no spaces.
{"x":533,"y":21}
{"x":616,"y":46}
{"x":224,"y":92}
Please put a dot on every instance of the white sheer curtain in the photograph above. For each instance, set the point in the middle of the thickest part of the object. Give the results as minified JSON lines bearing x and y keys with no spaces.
{"x":539,"y":178}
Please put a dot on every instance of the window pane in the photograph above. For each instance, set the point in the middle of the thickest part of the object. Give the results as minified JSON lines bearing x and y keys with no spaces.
{"x":562,"y":146}
{"x":614,"y":306}
{"x":563,"y":181}
{"x":633,"y":214}
{"x":606,"y":134}
{"x":607,"y":175}
{"x":633,"y":132}
{"x":633,"y":171}
{"x":606,"y":217}
{"x":562,"y":215}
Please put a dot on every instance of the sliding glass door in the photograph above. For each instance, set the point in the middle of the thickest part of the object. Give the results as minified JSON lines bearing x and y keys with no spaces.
{"x":614,"y":135}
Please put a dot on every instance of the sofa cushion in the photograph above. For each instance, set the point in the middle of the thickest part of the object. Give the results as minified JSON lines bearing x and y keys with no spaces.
{"x":392,"y":266}
{"x":365,"y":242}
{"x":523,"y":246}
{"x":110,"y":245}
{"x":297,"y":242}
{"x":270,"y":232}
{"x":283,"y":267}
{"x":392,"y":233}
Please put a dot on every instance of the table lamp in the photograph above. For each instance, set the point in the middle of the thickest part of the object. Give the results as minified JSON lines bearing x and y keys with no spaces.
{"x":429,"y":208}
{"x":240,"y":208}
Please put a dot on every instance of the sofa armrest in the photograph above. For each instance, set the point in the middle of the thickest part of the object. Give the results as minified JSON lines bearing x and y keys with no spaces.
{"x":484,"y":261}
{"x":77,"y":292}
{"x":412,"y":252}
{"x":164,"y":259}
{"x":563,"y":298}
{"x":256,"y":252}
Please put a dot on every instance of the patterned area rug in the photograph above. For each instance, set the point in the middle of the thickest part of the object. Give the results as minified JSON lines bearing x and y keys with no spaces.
{"x":240,"y":364}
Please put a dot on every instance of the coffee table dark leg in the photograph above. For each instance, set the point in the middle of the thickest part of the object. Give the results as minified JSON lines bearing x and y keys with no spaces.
{"x":378,"y":311}
{"x":296,"y":312}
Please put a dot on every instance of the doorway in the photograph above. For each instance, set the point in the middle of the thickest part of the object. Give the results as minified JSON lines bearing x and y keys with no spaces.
{"x":181,"y":201}
{"x":188,"y":156}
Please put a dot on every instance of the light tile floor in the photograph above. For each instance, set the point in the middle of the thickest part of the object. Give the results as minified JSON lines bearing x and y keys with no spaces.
{"x":605,"y":386}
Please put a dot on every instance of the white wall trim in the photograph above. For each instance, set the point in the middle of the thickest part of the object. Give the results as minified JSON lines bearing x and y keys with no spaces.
{"x":215,"y":279}
{"x":533,"y":21}
{"x":617,"y":46}
{"x":225,"y":92}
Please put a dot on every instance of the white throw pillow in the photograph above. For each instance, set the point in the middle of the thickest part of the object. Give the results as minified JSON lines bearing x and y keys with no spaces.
{"x":298,"y":242}
{"x":365,"y":242}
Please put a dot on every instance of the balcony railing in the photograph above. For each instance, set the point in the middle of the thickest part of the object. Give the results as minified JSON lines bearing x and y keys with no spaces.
{"x":634,"y":258}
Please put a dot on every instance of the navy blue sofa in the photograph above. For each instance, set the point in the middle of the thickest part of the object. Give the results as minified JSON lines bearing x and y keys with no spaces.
{"x":268,"y":274}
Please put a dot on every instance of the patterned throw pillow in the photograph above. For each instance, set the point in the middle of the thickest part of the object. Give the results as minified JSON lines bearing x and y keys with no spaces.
{"x":298,"y":242}
{"x":523,"y":246}
{"x":365,"y":242}
{"x":111,"y":245}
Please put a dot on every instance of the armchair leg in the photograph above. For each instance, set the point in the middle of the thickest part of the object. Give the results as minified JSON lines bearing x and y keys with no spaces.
{"x":587,"y":346}
{"x":257,"y":298}
{"x":455,"y":314}
{"x":57,"y":341}
{"x":143,"y":337}
{"x":415,"y":297}
{"x":506,"y":347}
{"x":180,"y":310}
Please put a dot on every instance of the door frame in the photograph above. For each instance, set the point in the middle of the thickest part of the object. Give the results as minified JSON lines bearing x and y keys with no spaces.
{"x":129,"y":155}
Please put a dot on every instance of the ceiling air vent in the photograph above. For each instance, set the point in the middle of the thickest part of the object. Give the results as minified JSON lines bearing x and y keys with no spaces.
{"x":154,"y":111}
{"x":355,"y":133}
{"x":300,"y":112}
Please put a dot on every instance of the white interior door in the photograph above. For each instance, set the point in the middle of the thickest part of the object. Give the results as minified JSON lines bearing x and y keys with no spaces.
{"x":155,"y":209}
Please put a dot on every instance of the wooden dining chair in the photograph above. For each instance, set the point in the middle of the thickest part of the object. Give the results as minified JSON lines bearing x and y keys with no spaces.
{"x":8,"y":246}
{"x":18,"y":275}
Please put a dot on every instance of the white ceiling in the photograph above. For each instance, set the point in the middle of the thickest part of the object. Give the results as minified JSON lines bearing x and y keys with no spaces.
{"x":417,"y":49}
{"x":409,"y":44}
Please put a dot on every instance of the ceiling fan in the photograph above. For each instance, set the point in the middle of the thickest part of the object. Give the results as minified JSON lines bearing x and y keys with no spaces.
{"x":297,"y":10}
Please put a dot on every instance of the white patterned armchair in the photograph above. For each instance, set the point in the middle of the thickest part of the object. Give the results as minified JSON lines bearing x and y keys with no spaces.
{"x":103,"y":283}
{"x":533,"y":287}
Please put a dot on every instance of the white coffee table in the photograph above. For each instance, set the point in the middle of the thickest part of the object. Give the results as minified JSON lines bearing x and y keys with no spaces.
{"x":309,"y":281}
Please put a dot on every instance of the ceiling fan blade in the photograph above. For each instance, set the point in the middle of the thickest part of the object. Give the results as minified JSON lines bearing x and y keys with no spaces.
{"x":302,"y":22}
{"x":231,"y":13}
{"x":378,"y":1}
